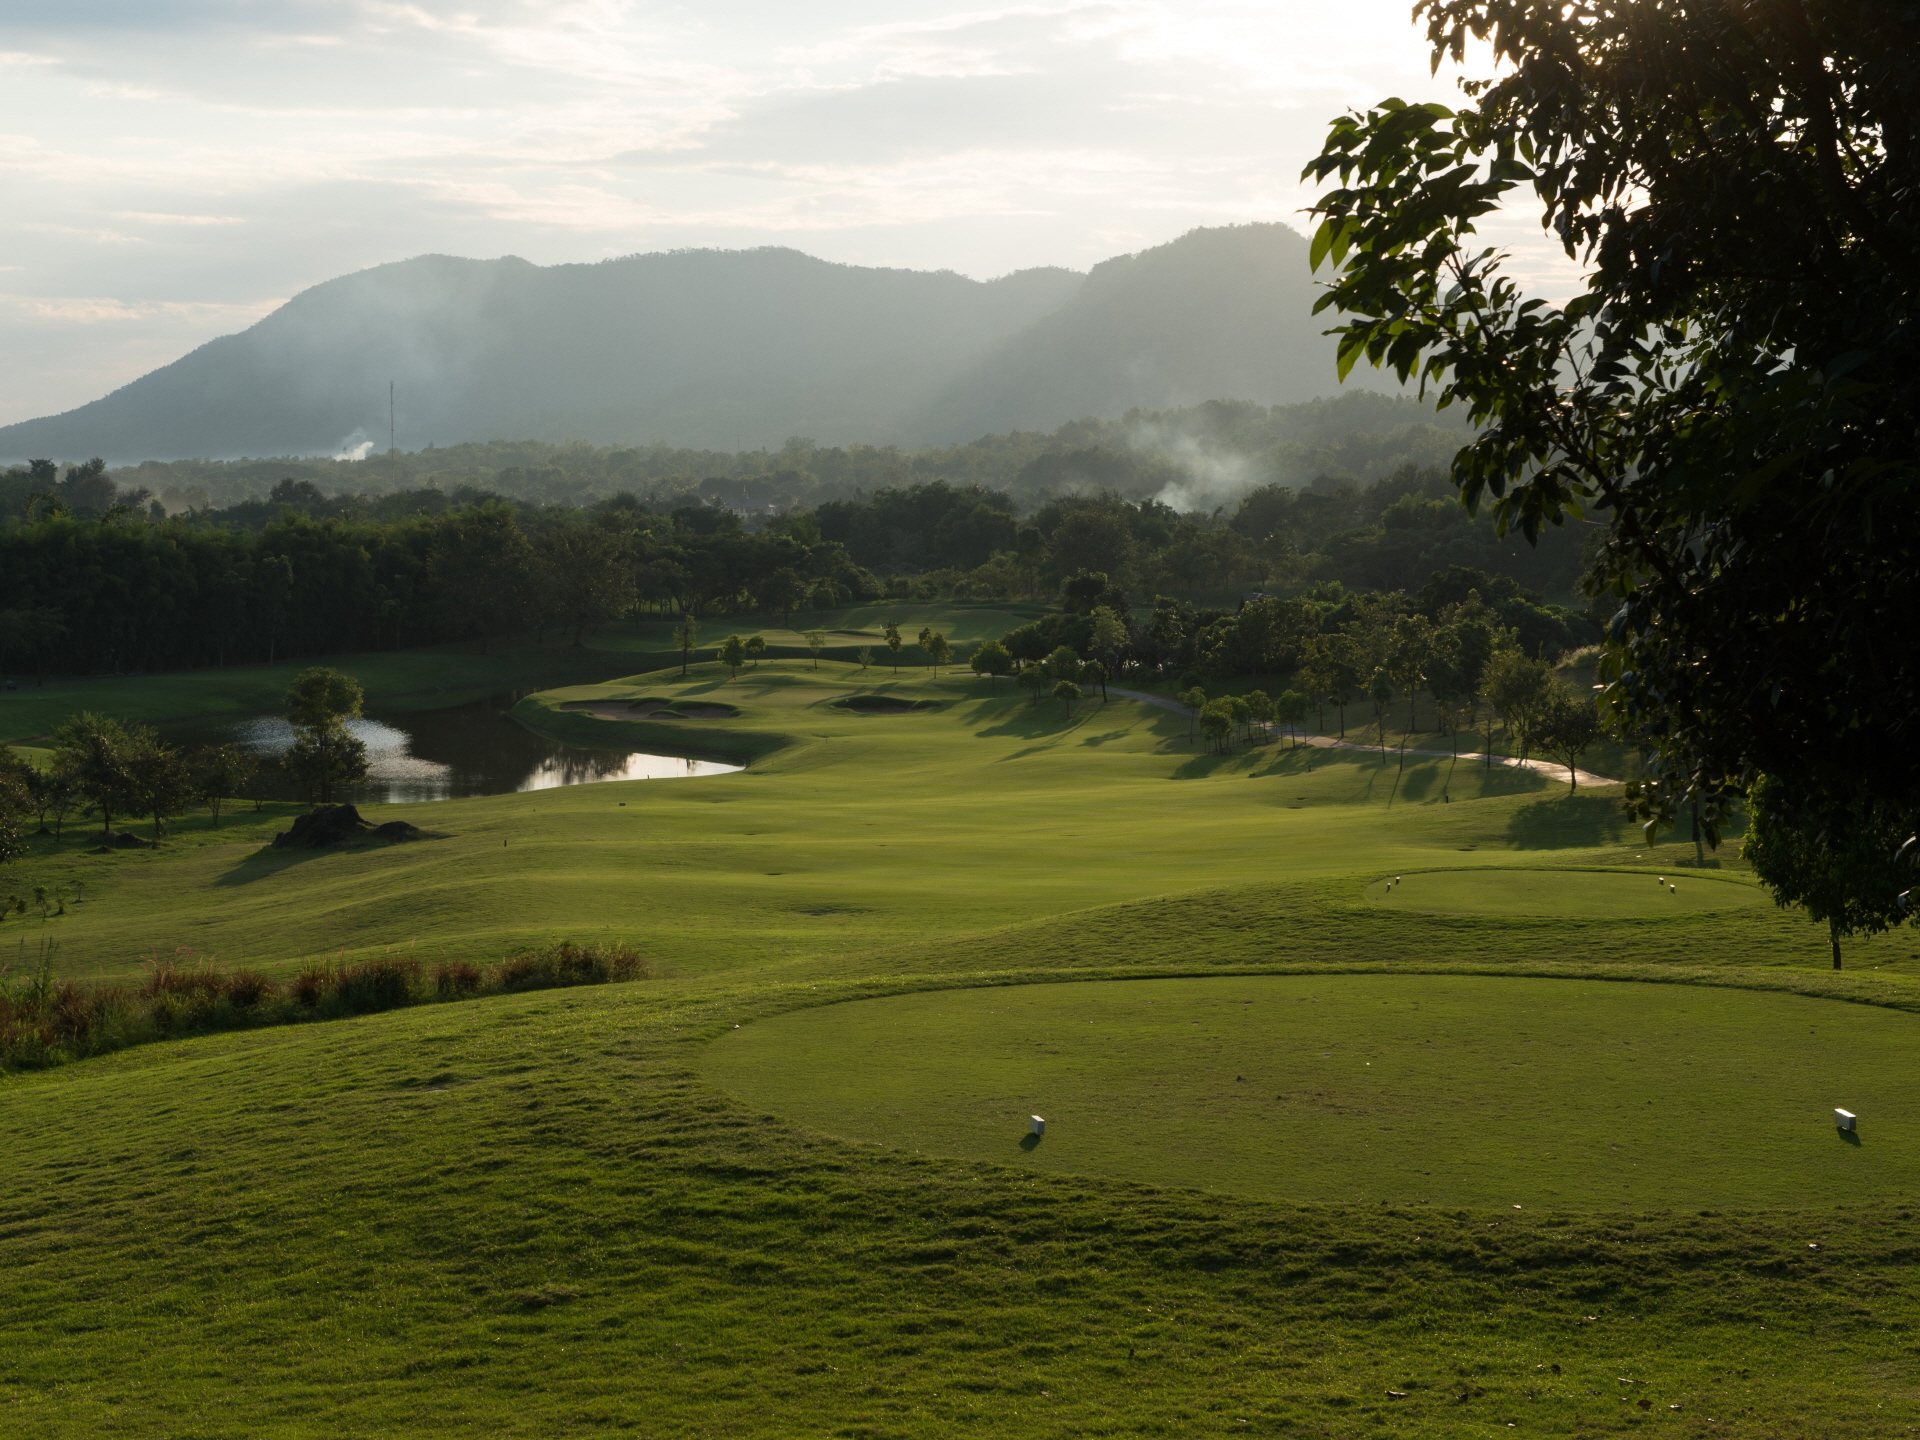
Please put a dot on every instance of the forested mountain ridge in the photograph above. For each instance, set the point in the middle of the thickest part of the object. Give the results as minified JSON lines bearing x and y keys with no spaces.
{"x":1218,"y":314}
{"x":727,"y":350}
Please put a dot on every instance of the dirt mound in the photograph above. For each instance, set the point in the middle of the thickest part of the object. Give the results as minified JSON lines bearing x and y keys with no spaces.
{"x":883,"y":705}
{"x":339,"y":825}
{"x":109,"y":843}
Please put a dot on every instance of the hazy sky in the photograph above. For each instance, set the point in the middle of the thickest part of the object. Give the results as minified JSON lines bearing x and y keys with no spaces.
{"x":176,"y":168}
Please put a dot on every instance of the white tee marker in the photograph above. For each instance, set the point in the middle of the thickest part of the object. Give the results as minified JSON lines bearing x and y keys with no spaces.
{"x":1036,"y":1126}
{"x":1845,"y":1119}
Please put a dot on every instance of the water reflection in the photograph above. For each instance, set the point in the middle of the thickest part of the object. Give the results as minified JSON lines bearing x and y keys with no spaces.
{"x":476,"y":749}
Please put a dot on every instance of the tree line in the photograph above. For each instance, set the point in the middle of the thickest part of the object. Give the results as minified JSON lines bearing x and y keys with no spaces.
{"x":125,"y":593}
{"x":1334,"y":649}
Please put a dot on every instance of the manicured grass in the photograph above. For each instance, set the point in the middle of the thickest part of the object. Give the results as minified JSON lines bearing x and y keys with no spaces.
{"x":533,"y":1215}
{"x":847,"y":833}
{"x":1563,"y":892}
{"x":1407,"y":1090}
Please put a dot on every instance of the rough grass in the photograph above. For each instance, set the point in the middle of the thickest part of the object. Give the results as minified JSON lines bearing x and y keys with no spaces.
{"x":47,"y":1021}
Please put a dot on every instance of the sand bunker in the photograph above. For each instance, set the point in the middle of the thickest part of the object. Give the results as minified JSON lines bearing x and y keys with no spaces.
{"x":652,"y":707}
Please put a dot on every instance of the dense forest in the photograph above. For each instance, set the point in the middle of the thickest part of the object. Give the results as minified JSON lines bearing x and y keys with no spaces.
{"x":98,"y":577}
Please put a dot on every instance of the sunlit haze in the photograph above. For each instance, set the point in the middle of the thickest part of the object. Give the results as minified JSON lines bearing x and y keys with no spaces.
{"x":177,"y":168}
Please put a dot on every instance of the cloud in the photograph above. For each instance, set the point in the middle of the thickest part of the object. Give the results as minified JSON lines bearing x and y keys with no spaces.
{"x":203,"y":153}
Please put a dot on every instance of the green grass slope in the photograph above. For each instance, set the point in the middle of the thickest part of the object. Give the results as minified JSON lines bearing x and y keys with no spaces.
{"x":1408,"y":1089}
{"x":538,"y":1215}
{"x":847,"y":832}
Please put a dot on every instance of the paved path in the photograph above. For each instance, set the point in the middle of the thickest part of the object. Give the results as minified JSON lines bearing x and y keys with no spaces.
{"x":1326,"y":742}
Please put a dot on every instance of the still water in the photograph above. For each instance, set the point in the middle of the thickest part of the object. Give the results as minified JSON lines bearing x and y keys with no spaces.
{"x":476,"y":749}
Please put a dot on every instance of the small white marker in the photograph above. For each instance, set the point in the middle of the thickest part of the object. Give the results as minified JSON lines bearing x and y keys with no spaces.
{"x":1036,"y":1126}
{"x":1845,"y":1119}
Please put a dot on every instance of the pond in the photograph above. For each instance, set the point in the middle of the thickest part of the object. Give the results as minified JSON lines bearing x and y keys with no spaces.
{"x":475,"y":749}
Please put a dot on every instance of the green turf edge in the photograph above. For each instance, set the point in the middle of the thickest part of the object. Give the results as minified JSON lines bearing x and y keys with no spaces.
{"x":1886,"y":993}
{"x":542,"y":714}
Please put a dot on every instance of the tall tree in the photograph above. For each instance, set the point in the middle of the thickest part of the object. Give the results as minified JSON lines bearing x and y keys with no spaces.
{"x":585,"y":575}
{"x":1380,"y":692}
{"x":221,"y":773}
{"x":1735,"y":389}
{"x":732,"y":654}
{"x":686,"y":639}
{"x":1109,"y":637}
{"x":1517,"y":686}
{"x":1854,"y":878}
{"x":1291,"y":709}
{"x":481,"y":569}
{"x":93,"y":750}
{"x":816,"y":642}
{"x":160,"y":784}
{"x":1195,"y":699}
{"x":1567,"y":724}
{"x":991,"y":660}
{"x":324,"y":753}
{"x":892,"y":632}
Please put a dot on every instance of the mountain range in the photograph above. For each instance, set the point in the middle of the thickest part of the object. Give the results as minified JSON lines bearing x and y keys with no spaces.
{"x":727,"y":349}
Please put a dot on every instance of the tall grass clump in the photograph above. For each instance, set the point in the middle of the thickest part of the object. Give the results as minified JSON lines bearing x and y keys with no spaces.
{"x":47,"y":1021}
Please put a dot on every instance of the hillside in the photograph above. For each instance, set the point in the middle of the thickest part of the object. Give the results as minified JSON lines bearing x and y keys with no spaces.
{"x":722,"y":349}
{"x":1217,"y":314}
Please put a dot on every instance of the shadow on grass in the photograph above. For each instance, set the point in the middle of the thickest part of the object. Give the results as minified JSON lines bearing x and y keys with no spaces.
{"x":1567,"y":822}
{"x":1030,"y":722}
{"x":1852,"y":1137}
{"x":1031,"y":1142}
{"x":1200,"y":766}
{"x":1419,"y":781}
{"x":267,"y":862}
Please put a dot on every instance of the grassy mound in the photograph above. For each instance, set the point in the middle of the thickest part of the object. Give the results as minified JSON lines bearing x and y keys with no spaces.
{"x":1420,"y":1089}
{"x":1564,"y":892}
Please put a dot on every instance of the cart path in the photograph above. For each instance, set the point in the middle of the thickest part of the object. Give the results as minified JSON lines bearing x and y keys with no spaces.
{"x":1326,"y":742}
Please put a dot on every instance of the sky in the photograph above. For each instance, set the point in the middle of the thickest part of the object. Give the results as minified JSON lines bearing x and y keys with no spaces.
{"x":175,"y":169}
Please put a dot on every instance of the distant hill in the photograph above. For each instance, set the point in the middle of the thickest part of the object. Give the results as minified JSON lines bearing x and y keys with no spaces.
{"x":1217,"y":314}
{"x":722,"y":349}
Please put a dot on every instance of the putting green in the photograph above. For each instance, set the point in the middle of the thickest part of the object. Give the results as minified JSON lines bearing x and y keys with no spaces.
{"x":1560,"y":892}
{"x":1407,"y":1089}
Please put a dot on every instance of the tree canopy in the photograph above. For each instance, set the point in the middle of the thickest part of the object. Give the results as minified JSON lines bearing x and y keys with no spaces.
{"x":1734,"y":391}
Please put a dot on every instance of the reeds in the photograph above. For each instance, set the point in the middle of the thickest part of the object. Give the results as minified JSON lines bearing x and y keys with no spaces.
{"x":47,"y":1021}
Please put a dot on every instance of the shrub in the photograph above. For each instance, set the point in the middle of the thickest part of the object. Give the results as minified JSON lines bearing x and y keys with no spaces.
{"x":566,"y":963}
{"x":454,"y":978}
{"x":46,"y":1021}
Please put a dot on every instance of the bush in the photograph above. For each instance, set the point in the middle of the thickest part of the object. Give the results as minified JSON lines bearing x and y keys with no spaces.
{"x":569,"y":964}
{"x":455,"y":978}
